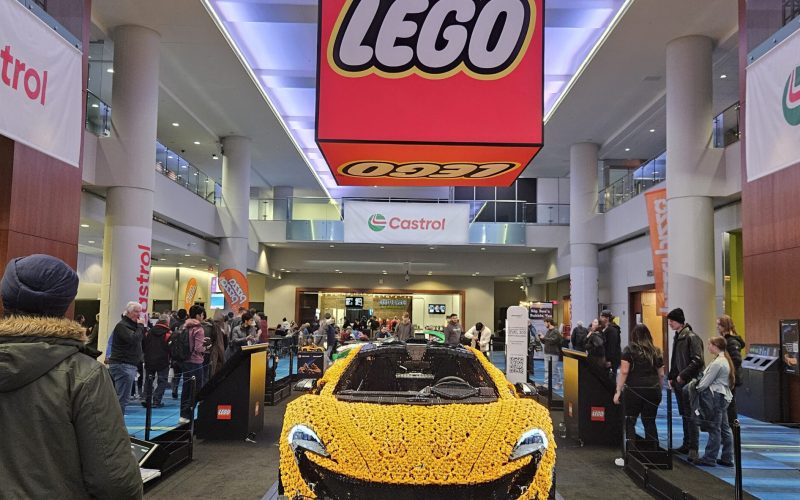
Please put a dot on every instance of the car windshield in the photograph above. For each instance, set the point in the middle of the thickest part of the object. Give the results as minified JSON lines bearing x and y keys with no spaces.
{"x":416,"y":374}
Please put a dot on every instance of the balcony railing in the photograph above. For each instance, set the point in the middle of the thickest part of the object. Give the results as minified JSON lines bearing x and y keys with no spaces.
{"x":481,"y":211}
{"x":633,"y":183}
{"x":726,"y":127}
{"x":98,"y":115}
{"x":791,"y":9}
{"x":177,"y":169}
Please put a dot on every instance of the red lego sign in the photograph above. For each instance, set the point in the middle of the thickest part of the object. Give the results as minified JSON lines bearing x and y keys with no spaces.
{"x":224,"y":412}
{"x":429,"y":92}
{"x":598,"y":414}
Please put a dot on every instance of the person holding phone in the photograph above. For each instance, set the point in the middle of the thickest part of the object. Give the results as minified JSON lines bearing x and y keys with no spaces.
{"x":126,"y":352}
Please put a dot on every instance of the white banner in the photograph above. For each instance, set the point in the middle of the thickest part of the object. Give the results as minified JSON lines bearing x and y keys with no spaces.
{"x":517,"y":344}
{"x":40,"y":85}
{"x":773,"y":110}
{"x":406,"y":223}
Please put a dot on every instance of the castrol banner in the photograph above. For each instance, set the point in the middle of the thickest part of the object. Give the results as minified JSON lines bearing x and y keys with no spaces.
{"x":40,"y":85}
{"x":234,"y":286}
{"x":406,"y":223}
{"x":429,"y":92}
{"x":189,"y":293}
{"x":773,"y":110}
{"x":657,"y":216}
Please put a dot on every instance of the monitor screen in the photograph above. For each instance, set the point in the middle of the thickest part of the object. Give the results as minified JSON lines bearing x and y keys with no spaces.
{"x":436,"y":309}
{"x":354,"y":302}
{"x":217,"y":301}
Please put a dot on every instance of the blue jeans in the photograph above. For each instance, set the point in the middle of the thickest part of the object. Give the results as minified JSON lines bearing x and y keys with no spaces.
{"x":190,"y":370}
{"x":124,"y":377}
{"x":720,"y":431}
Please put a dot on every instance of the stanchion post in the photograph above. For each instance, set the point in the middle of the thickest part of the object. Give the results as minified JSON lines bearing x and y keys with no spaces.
{"x":669,"y":425}
{"x":624,"y":424}
{"x":549,"y":382}
{"x":148,"y":402}
{"x":737,"y":454}
{"x":192,"y":400}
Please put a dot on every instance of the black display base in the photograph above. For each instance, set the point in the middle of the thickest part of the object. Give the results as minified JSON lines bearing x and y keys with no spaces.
{"x":278,"y":391}
{"x":173,"y":452}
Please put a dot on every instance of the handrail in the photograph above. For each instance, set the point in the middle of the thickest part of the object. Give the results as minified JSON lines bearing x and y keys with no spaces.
{"x":174,"y":167}
{"x":726,"y":126}
{"x":333,"y":209}
{"x":634,"y":183}
{"x":98,"y":115}
{"x":791,"y":9}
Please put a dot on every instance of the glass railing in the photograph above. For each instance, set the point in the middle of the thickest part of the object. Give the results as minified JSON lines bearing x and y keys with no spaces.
{"x":633,"y":183}
{"x":325,"y":209}
{"x":177,"y":169}
{"x":791,"y":9}
{"x":726,"y":127}
{"x":98,"y":115}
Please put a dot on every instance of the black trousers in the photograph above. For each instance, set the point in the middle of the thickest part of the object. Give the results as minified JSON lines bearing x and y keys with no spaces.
{"x":732,"y":413}
{"x":641,"y":402}
{"x":691,"y":431}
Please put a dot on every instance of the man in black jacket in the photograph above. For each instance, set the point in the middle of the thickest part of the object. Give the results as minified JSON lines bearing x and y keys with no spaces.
{"x":613,"y":342}
{"x":686,"y":364}
{"x":156,"y":359}
{"x":578,"y":337}
{"x":63,"y":433}
{"x":126,"y":351}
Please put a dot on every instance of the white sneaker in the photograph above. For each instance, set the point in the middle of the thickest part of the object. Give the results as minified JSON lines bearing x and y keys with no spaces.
{"x":183,"y":421}
{"x":619,"y":462}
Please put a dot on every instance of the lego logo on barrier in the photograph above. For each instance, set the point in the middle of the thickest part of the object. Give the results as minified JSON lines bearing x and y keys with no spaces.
{"x":224,"y":412}
{"x":429,"y":92}
{"x":431,"y":38}
{"x":598,"y":414}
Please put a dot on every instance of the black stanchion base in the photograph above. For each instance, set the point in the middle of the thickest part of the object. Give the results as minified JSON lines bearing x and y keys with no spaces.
{"x":278,"y":391}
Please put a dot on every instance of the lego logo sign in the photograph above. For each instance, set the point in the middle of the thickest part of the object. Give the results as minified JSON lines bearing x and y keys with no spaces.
{"x":598,"y":414}
{"x":224,"y":412}
{"x":465,"y":80}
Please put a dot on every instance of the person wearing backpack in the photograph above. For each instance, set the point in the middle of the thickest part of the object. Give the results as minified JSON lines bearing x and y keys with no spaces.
{"x":176,"y":325}
{"x":190,"y":349}
{"x":156,"y":360}
{"x":735,"y":344}
{"x":685,"y":365}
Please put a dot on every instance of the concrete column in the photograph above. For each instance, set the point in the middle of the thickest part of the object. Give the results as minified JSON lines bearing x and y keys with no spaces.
{"x":583,"y":252}
{"x":282,"y":196}
{"x":234,"y":212}
{"x":690,"y":211}
{"x":129,"y":202}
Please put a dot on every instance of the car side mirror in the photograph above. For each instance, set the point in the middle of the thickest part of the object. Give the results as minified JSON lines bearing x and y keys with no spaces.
{"x":306,"y":385}
{"x":526,"y":390}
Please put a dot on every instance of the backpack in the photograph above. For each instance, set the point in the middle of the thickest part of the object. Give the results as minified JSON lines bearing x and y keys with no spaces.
{"x":180,"y":346}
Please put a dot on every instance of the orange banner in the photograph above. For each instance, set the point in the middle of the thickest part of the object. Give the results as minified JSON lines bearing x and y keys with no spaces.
{"x":234,"y":286}
{"x":191,"y":291}
{"x":657,"y":217}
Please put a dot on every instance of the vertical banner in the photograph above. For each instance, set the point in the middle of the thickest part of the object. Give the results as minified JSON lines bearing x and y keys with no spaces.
{"x":234,"y":286}
{"x":517,"y":344}
{"x":189,"y":294}
{"x":773,"y":109}
{"x":657,"y":216}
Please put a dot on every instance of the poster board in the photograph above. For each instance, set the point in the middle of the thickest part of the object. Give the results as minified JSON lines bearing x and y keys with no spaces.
{"x":517,"y":344}
{"x":790,"y":333}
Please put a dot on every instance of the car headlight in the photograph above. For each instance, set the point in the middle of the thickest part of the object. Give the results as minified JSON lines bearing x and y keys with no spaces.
{"x":531,"y":442}
{"x":301,"y":437}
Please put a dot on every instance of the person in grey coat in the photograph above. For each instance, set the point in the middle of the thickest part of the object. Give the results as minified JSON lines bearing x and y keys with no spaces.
{"x":63,"y":432}
{"x":404,"y":330}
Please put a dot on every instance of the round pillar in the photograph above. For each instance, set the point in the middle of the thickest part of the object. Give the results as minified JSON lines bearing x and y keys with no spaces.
{"x":690,"y":211}
{"x":129,"y":203}
{"x":234,"y":212}
{"x":583,"y":252}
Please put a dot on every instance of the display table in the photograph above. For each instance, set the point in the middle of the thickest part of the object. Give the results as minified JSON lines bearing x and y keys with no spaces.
{"x":589,"y":410}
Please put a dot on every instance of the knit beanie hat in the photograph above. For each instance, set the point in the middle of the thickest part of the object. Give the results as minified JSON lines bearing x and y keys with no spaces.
{"x":38,"y":285}
{"x":677,"y":316}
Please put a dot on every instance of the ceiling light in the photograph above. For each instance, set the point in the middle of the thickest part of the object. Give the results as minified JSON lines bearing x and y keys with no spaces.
{"x":170,"y":157}
{"x":476,"y":272}
{"x":180,"y":263}
{"x":162,"y":259}
{"x":84,"y":225}
{"x":203,"y":260}
{"x":176,"y":124}
{"x":533,"y":249}
{"x":483,"y":248}
{"x":282,"y":269}
{"x":197,"y":142}
{"x":511,"y":281}
{"x":627,"y":149}
{"x":91,"y":242}
{"x":95,"y":105}
{"x":332,"y":246}
{"x":383,"y":246}
{"x":214,"y":157}
{"x":430,"y":272}
{"x":192,"y":266}
{"x":167,"y":249}
{"x":288,"y":271}
{"x":110,"y":70}
{"x":432,"y":248}
{"x":652,"y":130}
{"x":186,"y":255}
{"x":337,"y":270}
{"x":723,"y":76}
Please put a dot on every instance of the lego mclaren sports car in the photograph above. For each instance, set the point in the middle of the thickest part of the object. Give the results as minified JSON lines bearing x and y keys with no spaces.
{"x":415,"y":420}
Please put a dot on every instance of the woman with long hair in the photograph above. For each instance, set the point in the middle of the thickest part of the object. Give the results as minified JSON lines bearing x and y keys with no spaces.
{"x":718,"y":378}
{"x":734,"y":346}
{"x":641,"y":376}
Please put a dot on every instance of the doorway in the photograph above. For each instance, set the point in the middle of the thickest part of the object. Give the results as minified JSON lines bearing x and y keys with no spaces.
{"x":642,"y":307}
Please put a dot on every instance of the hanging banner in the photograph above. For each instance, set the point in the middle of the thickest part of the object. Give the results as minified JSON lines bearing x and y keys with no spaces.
{"x":657,"y":216}
{"x":537,"y":312}
{"x":189,"y":294}
{"x":40,"y":85}
{"x":406,"y":223}
{"x":773,"y":110}
{"x":517,"y":344}
{"x":234,"y":286}
{"x":429,"y":93}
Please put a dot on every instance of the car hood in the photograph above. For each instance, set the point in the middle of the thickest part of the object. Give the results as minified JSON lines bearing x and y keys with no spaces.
{"x":413,"y":444}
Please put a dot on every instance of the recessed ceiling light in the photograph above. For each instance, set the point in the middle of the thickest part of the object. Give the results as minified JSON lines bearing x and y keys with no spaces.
{"x":84,"y":225}
{"x":288,"y":271}
{"x":180,"y":263}
{"x":432,"y":248}
{"x":483,"y":248}
{"x":652,"y":130}
{"x":186,"y":255}
{"x":511,"y":281}
{"x":203,"y":260}
{"x":162,"y":259}
{"x":430,"y":272}
{"x":383,"y":246}
{"x":332,"y":246}
{"x":167,"y":249}
{"x":533,"y":249}
{"x":337,"y":270}
{"x":723,"y":76}
{"x":476,"y":272}
{"x":91,"y":242}
{"x":282,"y":269}
{"x":95,"y":105}
{"x":170,"y":157}
{"x":192,"y":266}
{"x":197,"y":142}
{"x":627,"y":149}
{"x":110,"y":70}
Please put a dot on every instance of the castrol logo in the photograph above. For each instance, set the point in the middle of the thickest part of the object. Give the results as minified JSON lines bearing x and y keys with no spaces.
{"x":484,"y":39}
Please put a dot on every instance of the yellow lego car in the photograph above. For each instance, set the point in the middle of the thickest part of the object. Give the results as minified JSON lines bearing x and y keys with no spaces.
{"x":408,"y":420}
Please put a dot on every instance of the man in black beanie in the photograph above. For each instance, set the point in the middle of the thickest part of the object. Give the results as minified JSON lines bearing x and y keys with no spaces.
{"x":63,"y":433}
{"x":686,"y":364}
